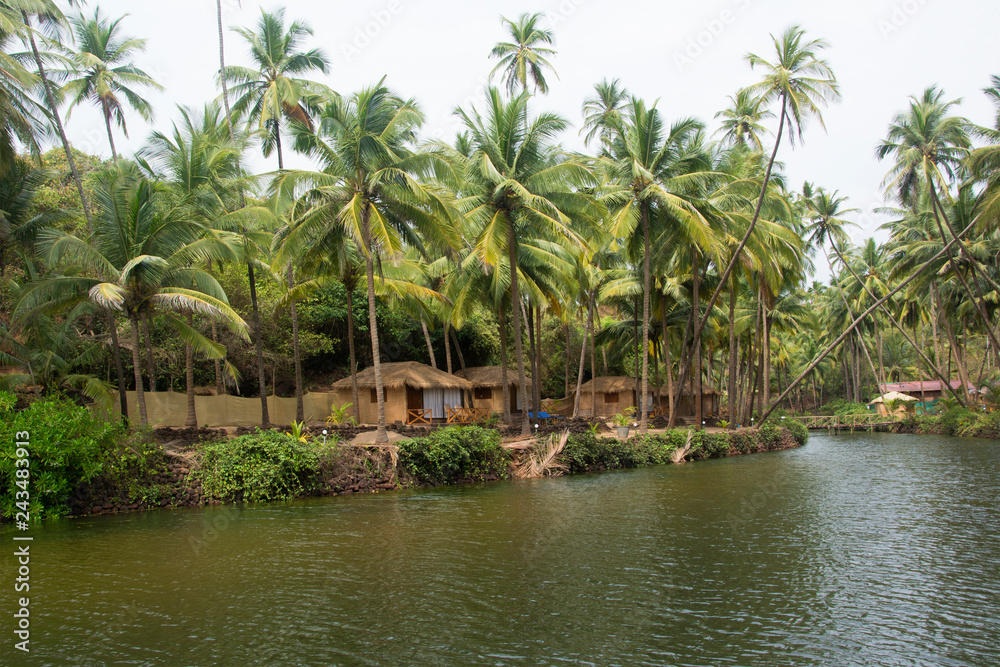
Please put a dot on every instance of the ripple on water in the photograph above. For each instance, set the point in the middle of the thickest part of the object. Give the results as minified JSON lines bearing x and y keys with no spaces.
{"x":854,"y":550}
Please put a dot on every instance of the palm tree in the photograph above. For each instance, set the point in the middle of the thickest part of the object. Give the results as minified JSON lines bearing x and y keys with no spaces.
{"x":19,"y":114}
{"x":929,"y":147}
{"x":48,"y":13}
{"x":800,"y":82}
{"x":652,"y":172}
{"x":201,"y":167}
{"x":20,"y":222}
{"x":741,"y":122}
{"x":515,"y":187}
{"x":524,"y":55}
{"x":106,"y":73}
{"x":599,"y":111}
{"x":141,"y":258}
{"x":272,"y":90}
{"x":368,"y":188}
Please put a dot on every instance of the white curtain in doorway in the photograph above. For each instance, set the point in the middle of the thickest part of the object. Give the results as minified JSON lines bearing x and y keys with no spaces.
{"x":438,"y":399}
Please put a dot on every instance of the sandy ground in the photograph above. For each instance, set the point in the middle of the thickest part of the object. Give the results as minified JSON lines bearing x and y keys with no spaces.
{"x":368,"y":438}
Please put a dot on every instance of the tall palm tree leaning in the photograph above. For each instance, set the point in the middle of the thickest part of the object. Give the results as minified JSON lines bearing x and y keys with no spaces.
{"x":800,"y":82}
{"x":524,"y":56}
{"x":647,"y":168}
{"x":368,"y":187}
{"x":272,"y":90}
{"x":105,"y":72}
{"x":516,"y":186}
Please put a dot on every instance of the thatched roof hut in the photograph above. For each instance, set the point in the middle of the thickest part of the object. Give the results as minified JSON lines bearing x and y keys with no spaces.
{"x":487,"y":383}
{"x":406,"y":373}
{"x":613,"y":394}
{"x":413,"y":392}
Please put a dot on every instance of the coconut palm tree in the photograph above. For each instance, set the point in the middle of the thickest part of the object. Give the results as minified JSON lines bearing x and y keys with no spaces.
{"x":929,"y":148}
{"x":800,"y":82}
{"x":200,"y":167}
{"x":608,"y":102}
{"x":741,"y":122}
{"x":651,"y":173}
{"x":368,"y":187}
{"x":273,"y":89}
{"x":105,"y":72}
{"x":516,"y":187}
{"x":524,"y":56}
{"x":50,"y":15}
{"x":142,"y":258}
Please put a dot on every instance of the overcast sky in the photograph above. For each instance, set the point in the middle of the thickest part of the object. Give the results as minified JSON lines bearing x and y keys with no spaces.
{"x":690,"y":55}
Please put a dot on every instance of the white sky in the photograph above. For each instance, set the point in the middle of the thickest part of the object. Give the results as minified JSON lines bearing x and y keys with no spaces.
{"x":688,"y":54}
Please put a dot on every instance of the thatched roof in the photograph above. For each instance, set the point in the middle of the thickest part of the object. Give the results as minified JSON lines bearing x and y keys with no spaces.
{"x":489,"y":376}
{"x":893,"y":396}
{"x":406,"y":373}
{"x":609,"y":385}
{"x":705,"y":391}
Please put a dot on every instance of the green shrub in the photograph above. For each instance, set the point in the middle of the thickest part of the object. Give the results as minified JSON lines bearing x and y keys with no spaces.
{"x":955,"y":420}
{"x":839,"y":406}
{"x":797,"y":429}
{"x":455,"y":454}
{"x":68,"y":447}
{"x":263,"y":465}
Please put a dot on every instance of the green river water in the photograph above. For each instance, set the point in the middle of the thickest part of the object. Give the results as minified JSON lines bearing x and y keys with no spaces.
{"x":853,"y":550}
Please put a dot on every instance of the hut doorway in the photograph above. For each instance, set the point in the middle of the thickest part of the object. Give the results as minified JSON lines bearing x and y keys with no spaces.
{"x":414,"y":398}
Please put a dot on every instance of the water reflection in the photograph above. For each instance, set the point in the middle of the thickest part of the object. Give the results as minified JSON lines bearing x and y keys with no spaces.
{"x":855,"y":550}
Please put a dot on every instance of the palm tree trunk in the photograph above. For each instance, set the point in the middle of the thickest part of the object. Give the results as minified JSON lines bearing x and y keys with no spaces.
{"x":683,"y":367}
{"x":593,"y":357}
{"x":299,"y":407}
{"x":107,"y":124}
{"x":350,"y":347}
{"x":502,"y":322}
{"x":646,"y":285}
{"x":149,"y":353}
{"x":566,"y":332}
{"x":116,"y":352}
{"x":447,"y":347}
{"x":515,"y":300}
{"x":222,"y":68}
{"x":458,"y":349}
{"x":669,"y":364}
{"x":192,"y":415}
{"x":140,"y":397}
{"x":220,"y":385}
{"x":381,"y":437}
{"x":536,"y":383}
{"x":914,"y":274}
{"x":583,"y":360}
{"x":699,"y":413}
{"x":963,"y":373}
{"x":427,"y":340}
{"x":732,"y":352}
{"x":277,"y":143}
{"x":766,"y":389}
{"x":265,"y":418}
{"x":54,"y":108}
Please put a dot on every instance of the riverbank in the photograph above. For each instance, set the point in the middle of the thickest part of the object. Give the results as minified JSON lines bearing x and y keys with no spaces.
{"x":83,"y":466}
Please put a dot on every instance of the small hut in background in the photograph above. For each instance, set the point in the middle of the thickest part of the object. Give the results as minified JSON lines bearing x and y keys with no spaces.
{"x":906,"y":402}
{"x":414,"y":393}
{"x":614,"y":394}
{"x":709,"y":402}
{"x":487,"y":387}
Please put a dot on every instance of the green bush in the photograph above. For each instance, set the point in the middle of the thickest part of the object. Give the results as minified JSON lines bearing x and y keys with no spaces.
{"x":455,"y":454}
{"x":955,"y":420}
{"x":839,"y":406}
{"x":68,"y":447}
{"x":797,"y":429}
{"x":263,"y":465}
